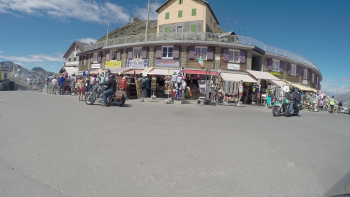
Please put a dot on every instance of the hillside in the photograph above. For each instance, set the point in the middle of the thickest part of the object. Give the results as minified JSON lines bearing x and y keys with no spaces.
{"x":345,"y":98}
{"x":136,"y":28}
{"x":23,"y":75}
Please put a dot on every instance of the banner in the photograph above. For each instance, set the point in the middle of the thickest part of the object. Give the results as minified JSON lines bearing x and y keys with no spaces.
{"x":234,"y":66}
{"x":95,"y":65}
{"x":137,"y":63}
{"x":276,"y":73}
{"x":167,"y":63}
{"x":113,"y":64}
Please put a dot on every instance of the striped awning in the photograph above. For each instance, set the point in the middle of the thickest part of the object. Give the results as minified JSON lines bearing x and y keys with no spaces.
{"x":117,"y":70}
{"x":162,"y":72}
{"x":278,"y":82}
{"x":262,"y":75}
{"x":238,"y":77}
{"x":147,"y":70}
{"x":131,"y":72}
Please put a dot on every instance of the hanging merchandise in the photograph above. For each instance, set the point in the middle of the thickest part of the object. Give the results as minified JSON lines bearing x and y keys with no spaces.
{"x":226,"y":86}
{"x":154,"y":83}
{"x":232,"y":87}
{"x":201,"y":62}
{"x":240,"y":89}
{"x":202,"y":86}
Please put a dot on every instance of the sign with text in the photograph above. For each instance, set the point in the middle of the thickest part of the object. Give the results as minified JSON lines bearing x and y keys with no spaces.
{"x":113,"y":64}
{"x":167,"y":63}
{"x":234,"y":66}
{"x":137,"y":63}
{"x":276,"y":74}
{"x":95,"y":65}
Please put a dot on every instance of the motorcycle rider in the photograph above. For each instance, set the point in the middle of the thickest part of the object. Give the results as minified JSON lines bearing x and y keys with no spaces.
{"x":332,"y":102}
{"x":112,"y":86}
{"x":292,"y":100}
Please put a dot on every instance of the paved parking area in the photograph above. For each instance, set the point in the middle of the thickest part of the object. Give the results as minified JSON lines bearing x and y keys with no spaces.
{"x":58,"y":146}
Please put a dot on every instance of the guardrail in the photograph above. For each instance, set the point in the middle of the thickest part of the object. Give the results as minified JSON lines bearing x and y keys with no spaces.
{"x":203,"y":37}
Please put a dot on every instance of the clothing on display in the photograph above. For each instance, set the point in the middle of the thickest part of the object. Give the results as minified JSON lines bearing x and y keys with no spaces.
{"x":202,"y":86}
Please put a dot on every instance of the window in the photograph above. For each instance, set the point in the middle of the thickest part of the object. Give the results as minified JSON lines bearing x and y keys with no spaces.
{"x":166,"y":30}
{"x":194,"y":28}
{"x":69,"y":59}
{"x":305,"y":74}
{"x":137,"y":52}
{"x":168,"y":52}
{"x":234,"y":56}
{"x":201,"y":52}
{"x":5,"y":75}
{"x":95,"y":57}
{"x":312,"y":77}
{"x":180,"y":14}
{"x":113,"y":55}
{"x":276,"y":65}
{"x":167,"y":15}
{"x":194,"y":12}
{"x":181,"y":1}
{"x":293,"y":69}
{"x":317,"y":82}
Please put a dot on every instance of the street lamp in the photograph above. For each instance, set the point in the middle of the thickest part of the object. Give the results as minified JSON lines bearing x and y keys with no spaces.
{"x":228,"y":19}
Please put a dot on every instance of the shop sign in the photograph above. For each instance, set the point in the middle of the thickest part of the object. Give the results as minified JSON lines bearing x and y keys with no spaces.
{"x":95,"y":65}
{"x":305,"y":82}
{"x":137,"y":63}
{"x":234,"y":66}
{"x":276,"y":74}
{"x":113,"y":64}
{"x":167,"y":63}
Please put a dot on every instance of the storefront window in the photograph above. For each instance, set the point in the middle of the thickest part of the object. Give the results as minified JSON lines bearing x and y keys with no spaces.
{"x":168,"y":52}
{"x":137,"y":52}
{"x":201,"y":53}
{"x":234,"y":56}
{"x":313,"y":78}
{"x":305,"y":74}
{"x":95,"y":57}
{"x":113,"y":55}
{"x":276,"y":65}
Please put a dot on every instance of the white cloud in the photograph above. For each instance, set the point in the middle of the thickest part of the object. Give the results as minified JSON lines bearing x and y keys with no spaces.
{"x":331,"y":80}
{"x":1,"y":51}
{"x":334,"y":89}
{"x":18,"y":63}
{"x":345,"y":79}
{"x":35,"y":58}
{"x":87,"y":40}
{"x":142,"y":12}
{"x":90,"y":11}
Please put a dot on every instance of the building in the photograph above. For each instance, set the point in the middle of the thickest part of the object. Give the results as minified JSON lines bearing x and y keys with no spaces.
{"x":71,"y":64}
{"x":235,"y":55}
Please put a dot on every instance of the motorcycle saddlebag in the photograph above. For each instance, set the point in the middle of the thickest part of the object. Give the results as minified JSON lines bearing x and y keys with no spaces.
{"x":118,"y":96}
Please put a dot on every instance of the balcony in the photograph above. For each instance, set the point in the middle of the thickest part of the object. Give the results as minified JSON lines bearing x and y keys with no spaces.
{"x":201,"y":36}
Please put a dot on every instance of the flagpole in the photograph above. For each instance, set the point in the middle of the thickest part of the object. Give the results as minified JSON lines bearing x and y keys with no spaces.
{"x":149,"y":3}
{"x":107,"y":33}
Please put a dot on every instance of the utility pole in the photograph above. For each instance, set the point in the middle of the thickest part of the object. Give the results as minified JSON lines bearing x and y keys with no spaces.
{"x":107,"y":34}
{"x":228,"y":19}
{"x":149,"y":3}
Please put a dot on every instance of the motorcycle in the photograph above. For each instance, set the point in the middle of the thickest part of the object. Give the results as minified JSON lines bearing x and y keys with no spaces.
{"x":282,"y":105}
{"x":96,"y":94}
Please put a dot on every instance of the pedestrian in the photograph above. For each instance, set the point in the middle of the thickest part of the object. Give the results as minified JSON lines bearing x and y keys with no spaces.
{"x":340,"y":105}
{"x":81,"y":88}
{"x":331,"y":103}
{"x":320,"y":104}
{"x":92,"y":81}
{"x":62,"y":79}
{"x":87,"y":83}
{"x":54,"y":84}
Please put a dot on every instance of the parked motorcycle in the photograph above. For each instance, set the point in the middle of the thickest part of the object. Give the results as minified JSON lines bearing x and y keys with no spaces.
{"x":96,"y":95}
{"x":282,"y":105}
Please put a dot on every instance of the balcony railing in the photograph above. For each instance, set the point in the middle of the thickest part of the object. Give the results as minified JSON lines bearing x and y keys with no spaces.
{"x":202,"y":37}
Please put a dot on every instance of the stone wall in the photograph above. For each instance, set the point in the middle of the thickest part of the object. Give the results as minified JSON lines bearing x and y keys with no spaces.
{"x":186,"y":26}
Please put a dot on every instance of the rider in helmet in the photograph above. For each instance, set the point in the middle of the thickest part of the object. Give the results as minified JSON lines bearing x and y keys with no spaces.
{"x":112,"y":85}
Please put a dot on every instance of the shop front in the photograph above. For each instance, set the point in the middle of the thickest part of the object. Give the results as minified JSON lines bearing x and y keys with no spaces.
{"x":162,"y":80}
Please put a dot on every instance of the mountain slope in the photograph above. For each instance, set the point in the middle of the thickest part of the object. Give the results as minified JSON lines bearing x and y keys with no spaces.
{"x":137,"y":28}
{"x":345,"y":98}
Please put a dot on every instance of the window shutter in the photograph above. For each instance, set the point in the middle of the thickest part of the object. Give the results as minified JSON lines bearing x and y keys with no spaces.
{"x":176,"y":53}
{"x":194,"y":28}
{"x":270,"y":64}
{"x":194,"y":12}
{"x":297,"y":70}
{"x":107,"y":55}
{"x":91,"y":58}
{"x":119,"y":54}
{"x":192,"y":53}
{"x":158,"y":52}
{"x":129,"y":53}
{"x":99,"y":57}
{"x":180,"y":14}
{"x":144,"y":53}
{"x":226,"y":54}
{"x":166,"y":30}
{"x":210,"y":53}
{"x":281,"y":66}
{"x":167,"y":15}
{"x":242,"y":57}
{"x":289,"y":68}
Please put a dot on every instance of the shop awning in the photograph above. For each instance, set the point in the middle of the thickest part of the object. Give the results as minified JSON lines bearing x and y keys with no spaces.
{"x":300,"y":87}
{"x":278,"y":82}
{"x":117,"y":70}
{"x":71,"y":70}
{"x":131,"y":72}
{"x":262,"y":75}
{"x":199,"y":72}
{"x":162,"y":72}
{"x":147,"y":70}
{"x":237,"y":77}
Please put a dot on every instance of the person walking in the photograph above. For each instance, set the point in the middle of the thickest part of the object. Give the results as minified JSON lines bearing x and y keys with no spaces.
{"x":340,"y":106}
{"x":81,"y":88}
{"x":54,"y":84}
{"x":331,"y":103}
{"x":62,"y":79}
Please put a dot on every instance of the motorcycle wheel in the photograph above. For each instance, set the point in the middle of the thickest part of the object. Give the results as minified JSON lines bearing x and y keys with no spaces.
{"x":122,"y":103}
{"x":89,"y":99}
{"x":276,"y":111}
{"x":296,"y":112}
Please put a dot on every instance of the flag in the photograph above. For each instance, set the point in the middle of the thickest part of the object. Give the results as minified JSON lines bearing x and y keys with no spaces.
{"x":201,"y":62}
{"x":13,"y":72}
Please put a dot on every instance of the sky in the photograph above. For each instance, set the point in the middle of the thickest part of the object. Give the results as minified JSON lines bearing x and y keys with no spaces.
{"x":37,"y":33}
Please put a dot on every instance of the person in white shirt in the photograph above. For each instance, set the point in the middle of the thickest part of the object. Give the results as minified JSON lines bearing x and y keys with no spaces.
{"x":54,"y":83}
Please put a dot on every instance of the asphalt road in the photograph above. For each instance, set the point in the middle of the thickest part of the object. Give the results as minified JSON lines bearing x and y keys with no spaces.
{"x":58,"y":146}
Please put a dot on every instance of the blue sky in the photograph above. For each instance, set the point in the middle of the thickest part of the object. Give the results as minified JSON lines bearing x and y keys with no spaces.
{"x":38,"y":32}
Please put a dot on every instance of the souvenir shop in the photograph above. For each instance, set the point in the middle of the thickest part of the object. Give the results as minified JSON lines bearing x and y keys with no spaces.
{"x":161,"y":81}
